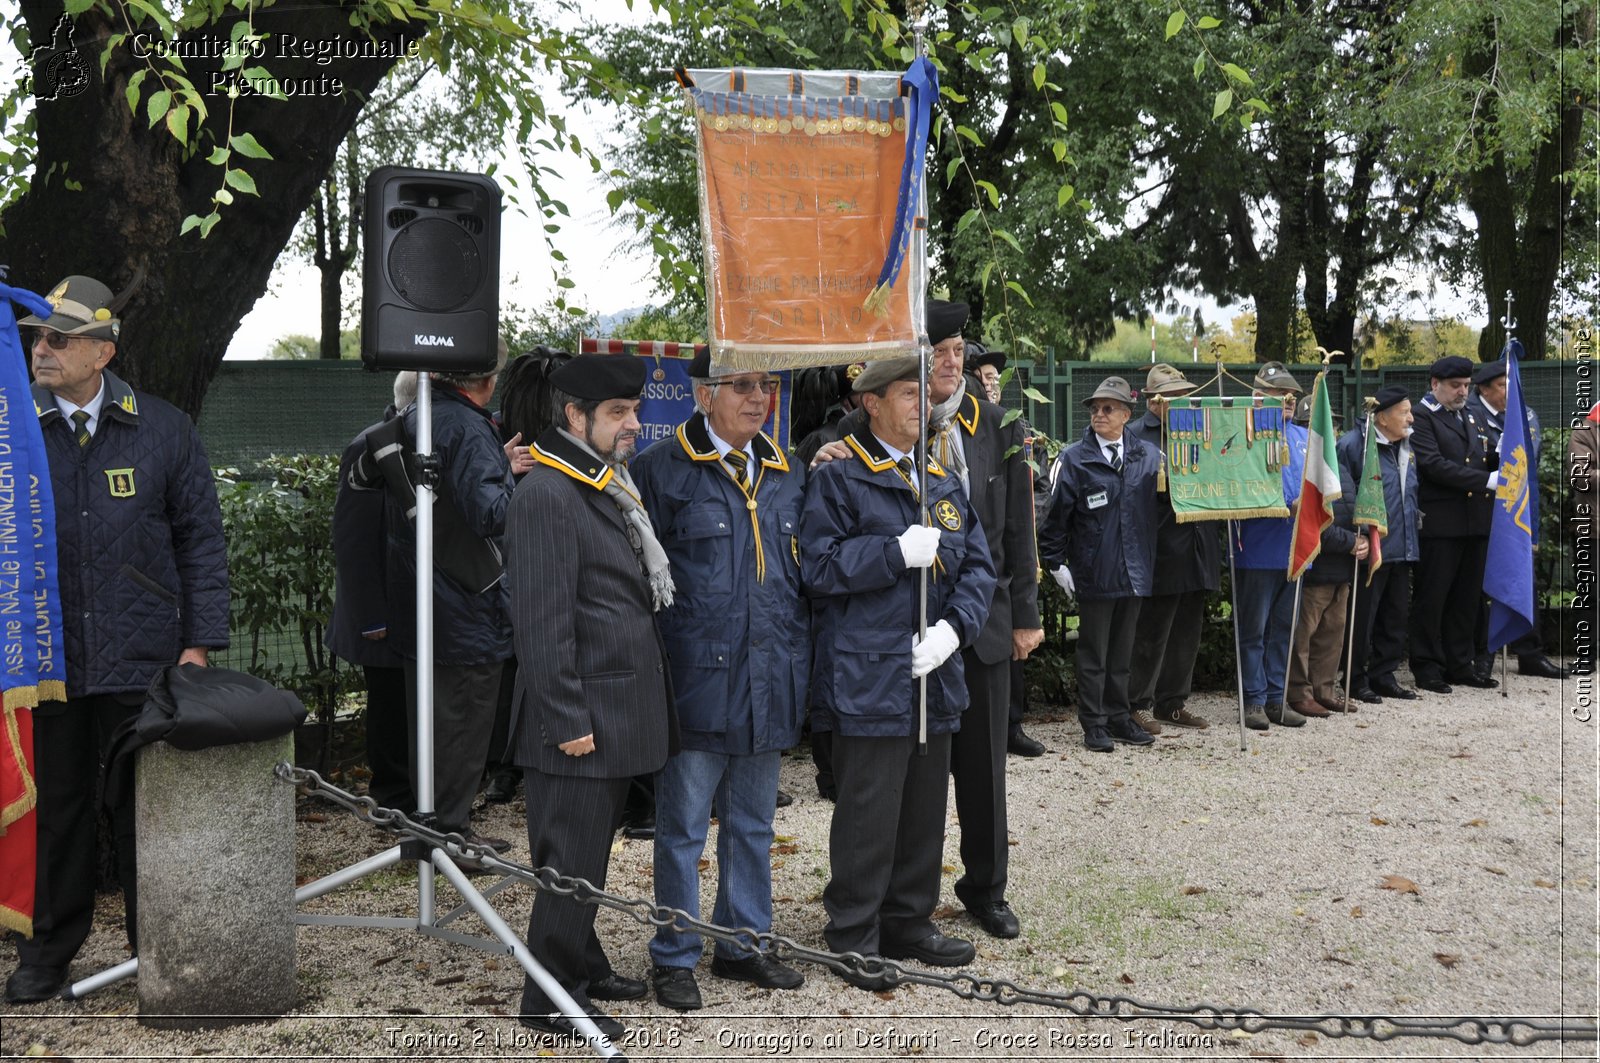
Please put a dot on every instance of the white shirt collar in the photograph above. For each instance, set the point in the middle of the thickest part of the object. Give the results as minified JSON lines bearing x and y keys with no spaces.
{"x":723,"y":446}
{"x":92,"y":407}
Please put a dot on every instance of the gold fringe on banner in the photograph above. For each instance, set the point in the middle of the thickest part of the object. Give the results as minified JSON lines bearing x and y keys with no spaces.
{"x":1231,"y":514}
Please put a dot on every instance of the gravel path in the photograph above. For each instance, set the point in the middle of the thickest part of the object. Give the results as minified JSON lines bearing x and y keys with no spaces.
{"x":1184,"y":874}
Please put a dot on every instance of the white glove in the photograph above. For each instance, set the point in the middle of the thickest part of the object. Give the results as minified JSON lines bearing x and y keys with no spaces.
{"x":1063,"y":580}
{"x":1494,"y":480}
{"x":934,"y":649}
{"x":919,"y":546}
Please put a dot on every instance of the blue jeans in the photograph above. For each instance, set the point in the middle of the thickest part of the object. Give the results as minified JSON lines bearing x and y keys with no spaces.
{"x":1265,"y":601}
{"x":746,"y":791}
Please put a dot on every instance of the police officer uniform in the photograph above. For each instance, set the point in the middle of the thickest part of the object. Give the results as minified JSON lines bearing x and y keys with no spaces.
{"x":1454,"y":463}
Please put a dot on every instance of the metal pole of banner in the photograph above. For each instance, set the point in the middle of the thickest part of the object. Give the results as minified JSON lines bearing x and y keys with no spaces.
{"x":1350,"y":641}
{"x":919,"y":309}
{"x":1510,"y":324}
{"x":1294,"y":622}
{"x":1233,"y":591}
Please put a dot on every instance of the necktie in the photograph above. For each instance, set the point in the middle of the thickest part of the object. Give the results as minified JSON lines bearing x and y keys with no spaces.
{"x":80,"y":418}
{"x":1116,"y":456}
{"x":741,"y":467}
{"x":908,"y":471}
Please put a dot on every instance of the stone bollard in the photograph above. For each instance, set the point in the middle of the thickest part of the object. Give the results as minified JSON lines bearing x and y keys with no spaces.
{"x":216,"y":884}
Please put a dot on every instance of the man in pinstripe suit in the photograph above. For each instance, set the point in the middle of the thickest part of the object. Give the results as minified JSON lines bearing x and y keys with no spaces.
{"x":592,"y":705}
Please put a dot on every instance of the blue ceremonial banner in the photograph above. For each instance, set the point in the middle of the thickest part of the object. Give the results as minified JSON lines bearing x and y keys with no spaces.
{"x":1508,"y":574}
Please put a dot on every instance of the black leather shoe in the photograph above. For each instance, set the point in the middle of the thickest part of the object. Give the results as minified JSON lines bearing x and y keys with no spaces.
{"x":1390,"y":687}
{"x":872,"y":983}
{"x":1540,"y":665}
{"x":1097,"y":739}
{"x":765,"y":971}
{"x":676,"y":988}
{"x":996,"y":918}
{"x":1368,"y":695}
{"x":785,"y":799}
{"x":935,"y":950}
{"x":33,"y":982}
{"x":639,"y":827}
{"x":1481,"y":680}
{"x":617,"y":987}
{"x":1123,"y":729}
{"x":1022,"y":744}
{"x":559,"y":1024}
{"x":501,"y":789}
{"x":1434,"y":686}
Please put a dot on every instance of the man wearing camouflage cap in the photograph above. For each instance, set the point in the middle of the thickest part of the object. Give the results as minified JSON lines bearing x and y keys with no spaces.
{"x":1098,"y":543}
{"x":1188,"y":568}
{"x":1265,"y":600}
{"x":144,"y":584}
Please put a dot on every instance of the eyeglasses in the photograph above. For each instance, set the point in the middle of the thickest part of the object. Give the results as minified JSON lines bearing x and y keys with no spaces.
{"x":1106,"y":408}
{"x":748,"y":386}
{"x":57,"y":340}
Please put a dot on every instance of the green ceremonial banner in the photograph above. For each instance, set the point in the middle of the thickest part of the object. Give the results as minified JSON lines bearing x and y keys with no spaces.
{"x":1224,"y":457}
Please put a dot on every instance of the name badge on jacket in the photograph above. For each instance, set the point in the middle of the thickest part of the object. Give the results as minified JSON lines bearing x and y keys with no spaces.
{"x":1095,"y":499}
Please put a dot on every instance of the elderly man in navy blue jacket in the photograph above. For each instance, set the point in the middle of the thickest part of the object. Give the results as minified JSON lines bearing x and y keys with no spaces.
{"x":862,"y":542}
{"x":726,"y":504}
{"x":1098,"y":541}
{"x":1383,"y":605}
{"x":144,"y":584}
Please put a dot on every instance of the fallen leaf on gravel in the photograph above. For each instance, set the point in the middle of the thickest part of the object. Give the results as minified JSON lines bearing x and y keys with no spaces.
{"x":786,"y":848}
{"x":946,"y":911}
{"x":314,"y":817}
{"x":1203,"y":819}
{"x":947,"y":869}
{"x":703,"y":863}
{"x":485,"y":1000}
{"x":379,"y":963}
{"x":1331,"y":958}
{"x":1307,"y":1040}
{"x":408,"y":1011}
{"x":1447,"y":959}
{"x":1116,"y":782}
{"x":1494,"y":870}
{"x":1102,"y":801}
{"x":1126,"y":979}
{"x":1240,"y":1035}
{"x":884,"y":994}
{"x":1376,"y":822}
{"x":1544,"y":883}
{"x":778,"y":863}
{"x":1476,"y":823}
{"x":1399,"y":883}
{"x":784,"y":839}
{"x":451,"y":979}
{"x":1191,"y":891}
{"x":1355,"y":913}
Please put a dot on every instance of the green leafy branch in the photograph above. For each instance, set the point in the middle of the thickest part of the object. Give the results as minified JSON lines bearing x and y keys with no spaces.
{"x":1237,"y":79}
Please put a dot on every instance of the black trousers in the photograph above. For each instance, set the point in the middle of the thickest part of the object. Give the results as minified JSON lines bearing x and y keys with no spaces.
{"x":570,"y":824}
{"x":1168,"y":635}
{"x":463,"y":717}
{"x":1444,"y":607}
{"x":1382,"y":612}
{"x":886,"y":844}
{"x":1019,"y":696}
{"x":978,"y":763}
{"x":70,"y":740}
{"x":388,"y":746}
{"x":1106,"y":629}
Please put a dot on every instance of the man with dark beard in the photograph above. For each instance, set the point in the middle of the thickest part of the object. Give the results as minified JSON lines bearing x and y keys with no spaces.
{"x":592,"y":706}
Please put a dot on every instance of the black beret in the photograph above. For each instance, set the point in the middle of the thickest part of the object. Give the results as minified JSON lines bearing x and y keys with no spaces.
{"x":1489,"y":371}
{"x":700,"y":364}
{"x":979,"y":355}
{"x":598,"y":377}
{"x":945,"y":320}
{"x":1389,"y":395}
{"x":1450,"y":367}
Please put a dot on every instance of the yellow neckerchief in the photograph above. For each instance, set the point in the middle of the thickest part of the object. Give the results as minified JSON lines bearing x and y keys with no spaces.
{"x":700,"y":448}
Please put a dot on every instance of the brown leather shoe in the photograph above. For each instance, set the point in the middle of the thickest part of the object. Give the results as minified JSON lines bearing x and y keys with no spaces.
{"x":1309,"y":707}
{"x":1336,"y":705}
{"x":1146,"y":721}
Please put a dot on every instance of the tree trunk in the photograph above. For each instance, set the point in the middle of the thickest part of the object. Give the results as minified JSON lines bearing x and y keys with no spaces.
{"x":195,"y":291}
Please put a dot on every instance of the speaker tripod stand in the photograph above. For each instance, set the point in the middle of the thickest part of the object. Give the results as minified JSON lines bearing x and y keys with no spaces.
{"x":429,"y":860}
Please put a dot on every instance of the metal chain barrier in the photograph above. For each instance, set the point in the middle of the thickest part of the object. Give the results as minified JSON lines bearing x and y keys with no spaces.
{"x":1470,"y":1030}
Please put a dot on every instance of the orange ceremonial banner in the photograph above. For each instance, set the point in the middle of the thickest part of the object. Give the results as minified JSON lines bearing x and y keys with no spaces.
{"x":800,"y":177}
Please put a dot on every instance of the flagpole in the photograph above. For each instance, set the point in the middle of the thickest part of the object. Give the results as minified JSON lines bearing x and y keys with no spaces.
{"x":1233,"y":591}
{"x":919,"y":288}
{"x":1355,"y":578}
{"x":1509,"y":323}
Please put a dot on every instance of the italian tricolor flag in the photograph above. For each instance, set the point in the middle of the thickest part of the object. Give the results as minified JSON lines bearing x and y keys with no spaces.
{"x":1320,"y":488}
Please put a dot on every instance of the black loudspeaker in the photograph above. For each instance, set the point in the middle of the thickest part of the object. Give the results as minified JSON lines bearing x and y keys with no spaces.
{"x":431,"y":271}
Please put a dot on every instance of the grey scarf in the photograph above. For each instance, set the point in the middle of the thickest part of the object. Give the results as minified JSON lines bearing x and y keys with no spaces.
{"x":946,"y":443}
{"x":641,"y":534}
